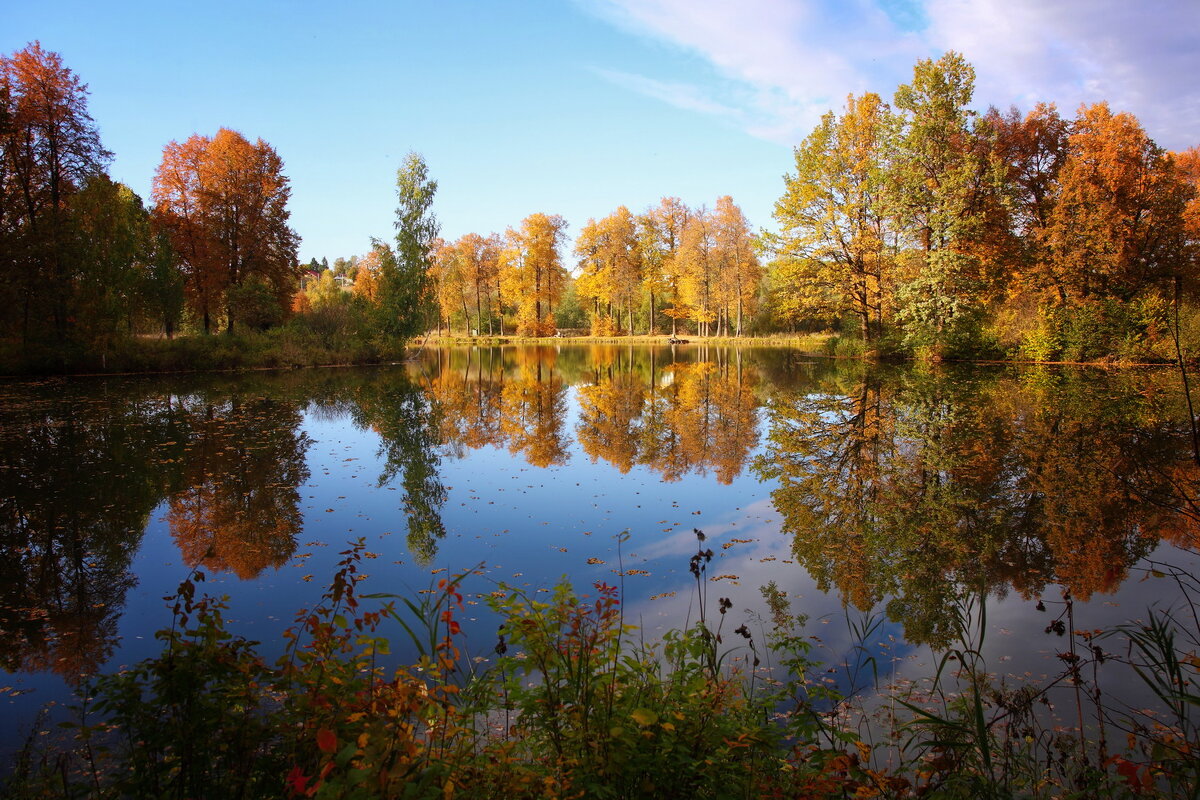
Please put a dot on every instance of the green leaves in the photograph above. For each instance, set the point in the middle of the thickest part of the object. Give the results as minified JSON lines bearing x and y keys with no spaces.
{"x":403,"y":276}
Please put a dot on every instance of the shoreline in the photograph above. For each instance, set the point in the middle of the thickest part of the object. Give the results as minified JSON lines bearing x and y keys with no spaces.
{"x":171,"y":354}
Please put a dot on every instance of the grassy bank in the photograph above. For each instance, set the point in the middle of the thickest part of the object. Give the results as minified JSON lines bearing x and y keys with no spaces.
{"x":292,"y":347}
{"x":277,"y":349}
{"x":573,"y":702}
{"x":289,"y":347}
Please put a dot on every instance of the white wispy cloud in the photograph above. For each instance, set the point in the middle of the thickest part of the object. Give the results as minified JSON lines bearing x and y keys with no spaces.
{"x":688,"y":97}
{"x":1141,"y":57}
{"x":791,"y":60}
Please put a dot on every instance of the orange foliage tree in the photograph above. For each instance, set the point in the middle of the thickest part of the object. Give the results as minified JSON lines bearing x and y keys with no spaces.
{"x":698,"y":262}
{"x":224,"y":202}
{"x":463,"y":274}
{"x":49,"y":147}
{"x":738,"y":270}
{"x":1118,"y":220}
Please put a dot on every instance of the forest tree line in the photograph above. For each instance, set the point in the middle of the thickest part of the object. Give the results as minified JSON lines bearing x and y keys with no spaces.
{"x":934,"y":229}
{"x":86,"y":263}
{"x":922,"y":228}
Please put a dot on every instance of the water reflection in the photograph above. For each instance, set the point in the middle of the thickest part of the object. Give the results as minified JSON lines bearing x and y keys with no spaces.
{"x":899,"y":487}
{"x":243,"y":460}
{"x":637,"y":407}
{"x":407,"y":421}
{"x":77,"y":492}
{"x":912,"y":487}
{"x":533,"y":409}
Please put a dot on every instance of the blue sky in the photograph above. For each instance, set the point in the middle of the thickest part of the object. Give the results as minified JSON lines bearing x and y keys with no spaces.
{"x":578,"y":106}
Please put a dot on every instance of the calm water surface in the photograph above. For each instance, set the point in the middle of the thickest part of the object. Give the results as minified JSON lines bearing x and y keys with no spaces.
{"x":894,"y":491}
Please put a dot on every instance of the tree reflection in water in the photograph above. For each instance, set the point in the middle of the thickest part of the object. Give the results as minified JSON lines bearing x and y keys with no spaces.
{"x":900,"y":487}
{"x":239,"y":508}
{"x":915,"y":487}
{"x":80,"y":478}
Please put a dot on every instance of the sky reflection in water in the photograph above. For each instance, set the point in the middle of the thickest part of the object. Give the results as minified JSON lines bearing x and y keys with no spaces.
{"x":896,"y":490}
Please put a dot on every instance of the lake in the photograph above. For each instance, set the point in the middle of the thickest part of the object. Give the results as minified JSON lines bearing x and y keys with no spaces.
{"x":891,"y":494}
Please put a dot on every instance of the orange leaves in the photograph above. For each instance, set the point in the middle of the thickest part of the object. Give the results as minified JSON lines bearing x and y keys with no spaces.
{"x":223,"y":201}
{"x":454,"y":600}
{"x":1118,"y":219}
{"x":464,"y":273}
{"x":1137,"y":776}
{"x":326,"y":740}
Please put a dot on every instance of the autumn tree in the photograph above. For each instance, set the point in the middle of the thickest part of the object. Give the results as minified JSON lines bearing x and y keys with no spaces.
{"x":224,"y":200}
{"x":179,"y":210}
{"x":1188,"y":163}
{"x":836,"y":249}
{"x":532,"y":271}
{"x":610,"y":259}
{"x":660,"y":234}
{"x":479,"y":257}
{"x":366,"y":279}
{"x":1118,"y":222}
{"x":49,"y":148}
{"x":1030,"y":150}
{"x":445,"y":283}
{"x":463,"y":274}
{"x":325,"y":291}
{"x":698,"y":266}
{"x":738,"y":271}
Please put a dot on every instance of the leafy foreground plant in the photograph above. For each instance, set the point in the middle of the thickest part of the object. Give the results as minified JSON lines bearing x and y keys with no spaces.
{"x":970,"y":735}
{"x":574,"y":706}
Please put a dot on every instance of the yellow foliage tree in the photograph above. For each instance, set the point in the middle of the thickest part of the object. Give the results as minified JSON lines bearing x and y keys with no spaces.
{"x":611,"y":262}
{"x":531,"y":271}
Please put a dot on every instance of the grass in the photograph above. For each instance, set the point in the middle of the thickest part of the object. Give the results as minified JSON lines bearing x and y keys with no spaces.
{"x":576,"y":703}
{"x":290,"y":347}
{"x":283,"y":348}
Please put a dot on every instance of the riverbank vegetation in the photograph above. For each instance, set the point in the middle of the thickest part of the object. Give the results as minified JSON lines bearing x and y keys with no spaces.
{"x":921,"y":228}
{"x":572,"y":701}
